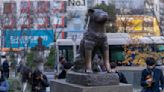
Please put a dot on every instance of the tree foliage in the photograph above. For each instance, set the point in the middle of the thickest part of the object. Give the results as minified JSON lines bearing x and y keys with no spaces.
{"x":51,"y":58}
{"x":30,"y":59}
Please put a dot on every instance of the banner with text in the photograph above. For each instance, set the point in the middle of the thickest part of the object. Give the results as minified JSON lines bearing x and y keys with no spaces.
{"x":27,"y":38}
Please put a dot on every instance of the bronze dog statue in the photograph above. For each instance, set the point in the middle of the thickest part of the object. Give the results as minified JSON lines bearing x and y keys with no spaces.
{"x":94,"y":39}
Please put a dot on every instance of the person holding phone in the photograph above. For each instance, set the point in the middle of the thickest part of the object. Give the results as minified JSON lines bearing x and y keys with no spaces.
{"x":152,"y":79}
{"x":39,"y":81}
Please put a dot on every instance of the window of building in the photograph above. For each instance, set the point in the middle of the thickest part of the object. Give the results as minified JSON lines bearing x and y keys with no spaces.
{"x":9,"y":8}
{"x":26,"y":7}
{"x":43,"y":6}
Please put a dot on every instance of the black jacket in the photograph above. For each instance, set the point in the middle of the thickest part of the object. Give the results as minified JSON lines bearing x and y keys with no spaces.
{"x":41,"y":84}
{"x":158,"y":80}
{"x":5,"y":66}
{"x":62,"y":75}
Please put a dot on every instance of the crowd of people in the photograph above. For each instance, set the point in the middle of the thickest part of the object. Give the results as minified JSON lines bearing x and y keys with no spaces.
{"x":31,"y":81}
{"x":152,"y":79}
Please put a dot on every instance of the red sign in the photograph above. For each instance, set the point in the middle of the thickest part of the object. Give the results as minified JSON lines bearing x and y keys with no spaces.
{"x":59,"y":21}
{"x":26,"y":6}
{"x":9,"y":8}
{"x":9,"y":23}
{"x":43,"y":6}
{"x":26,"y":22}
{"x":43,"y":22}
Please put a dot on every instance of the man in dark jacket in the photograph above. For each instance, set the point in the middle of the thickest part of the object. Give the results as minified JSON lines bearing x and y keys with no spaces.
{"x":6,"y":69}
{"x":152,"y":78}
{"x":39,"y":81}
{"x":63,"y":74}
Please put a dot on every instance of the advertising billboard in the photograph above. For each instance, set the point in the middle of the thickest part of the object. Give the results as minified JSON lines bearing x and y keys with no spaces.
{"x":9,"y":8}
{"x":77,"y":5}
{"x":43,"y":22}
{"x":24,"y":38}
{"x":26,"y":7}
{"x":59,"y":21}
{"x":59,"y":6}
{"x":43,"y":6}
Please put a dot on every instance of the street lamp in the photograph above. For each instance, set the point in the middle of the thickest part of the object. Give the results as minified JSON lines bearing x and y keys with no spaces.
{"x":74,"y":38}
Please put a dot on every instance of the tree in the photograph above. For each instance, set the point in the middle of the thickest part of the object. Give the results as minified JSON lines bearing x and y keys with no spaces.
{"x":122,"y":11}
{"x":110,"y":9}
{"x":30,"y":59}
{"x":129,"y":13}
{"x":51,"y":58}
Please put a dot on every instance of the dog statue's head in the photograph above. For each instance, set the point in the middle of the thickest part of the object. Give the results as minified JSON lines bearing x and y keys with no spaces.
{"x":97,"y":15}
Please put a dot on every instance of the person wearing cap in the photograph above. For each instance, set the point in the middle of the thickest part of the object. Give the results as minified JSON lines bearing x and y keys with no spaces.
{"x":152,"y":79}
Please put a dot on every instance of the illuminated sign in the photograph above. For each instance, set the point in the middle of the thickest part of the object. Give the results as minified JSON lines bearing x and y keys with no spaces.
{"x":21,"y":38}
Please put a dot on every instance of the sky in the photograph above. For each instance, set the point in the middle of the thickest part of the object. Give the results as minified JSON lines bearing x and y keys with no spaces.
{"x":133,"y":4}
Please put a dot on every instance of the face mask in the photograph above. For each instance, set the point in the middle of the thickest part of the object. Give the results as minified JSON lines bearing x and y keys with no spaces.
{"x":151,"y":67}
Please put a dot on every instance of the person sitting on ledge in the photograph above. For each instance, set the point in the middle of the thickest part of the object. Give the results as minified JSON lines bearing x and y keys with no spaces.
{"x":120,"y":74}
{"x":67,"y":66}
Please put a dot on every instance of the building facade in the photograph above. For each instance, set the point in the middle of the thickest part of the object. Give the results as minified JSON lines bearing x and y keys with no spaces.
{"x":61,"y":16}
{"x":159,"y":12}
{"x":161,"y":15}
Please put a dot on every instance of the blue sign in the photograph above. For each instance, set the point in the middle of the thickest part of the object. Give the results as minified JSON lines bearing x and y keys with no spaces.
{"x":27,"y":38}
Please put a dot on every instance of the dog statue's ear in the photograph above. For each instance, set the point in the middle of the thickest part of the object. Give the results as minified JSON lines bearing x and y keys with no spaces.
{"x":91,"y":11}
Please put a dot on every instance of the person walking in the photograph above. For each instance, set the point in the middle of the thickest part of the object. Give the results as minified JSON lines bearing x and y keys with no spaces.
{"x":152,"y":79}
{"x":4,"y":85}
{"x":5,"y":66}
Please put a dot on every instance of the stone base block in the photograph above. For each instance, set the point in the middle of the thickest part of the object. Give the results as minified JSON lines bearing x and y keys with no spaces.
{"x":95,"y":79}
{"x":63,"y":86}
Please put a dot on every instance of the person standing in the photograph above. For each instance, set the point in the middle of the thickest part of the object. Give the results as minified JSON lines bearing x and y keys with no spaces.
{"x":4,"y":85}
{"x":152,"y":79}
{"x":5,"y":66}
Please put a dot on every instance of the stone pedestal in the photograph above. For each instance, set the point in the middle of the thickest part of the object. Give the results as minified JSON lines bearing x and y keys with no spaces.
{"x":133,"y":75}
{"x":93,"y":79}
{"x":63,"y":86}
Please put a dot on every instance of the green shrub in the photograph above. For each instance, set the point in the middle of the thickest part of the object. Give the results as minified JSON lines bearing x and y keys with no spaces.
{"x":51,"y":58}
{"x":30,"y":59}
{"x":14,"y":85}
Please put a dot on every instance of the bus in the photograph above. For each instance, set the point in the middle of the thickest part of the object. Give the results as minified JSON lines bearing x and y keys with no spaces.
{"x":122,"y":48}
